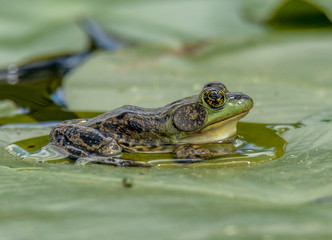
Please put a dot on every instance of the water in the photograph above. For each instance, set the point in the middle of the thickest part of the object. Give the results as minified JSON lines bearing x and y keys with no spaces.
{"x":256,"y":143}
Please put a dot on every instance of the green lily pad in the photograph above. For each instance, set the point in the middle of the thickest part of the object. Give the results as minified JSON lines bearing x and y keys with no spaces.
{"x":183,"y":44}
{"x":167,"y":23}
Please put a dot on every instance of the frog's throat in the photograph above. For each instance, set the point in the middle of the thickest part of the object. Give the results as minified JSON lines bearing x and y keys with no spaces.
{"x":215,"y":132}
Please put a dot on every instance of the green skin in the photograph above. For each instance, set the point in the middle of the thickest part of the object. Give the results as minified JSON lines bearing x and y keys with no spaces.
{"x":186,"y":127}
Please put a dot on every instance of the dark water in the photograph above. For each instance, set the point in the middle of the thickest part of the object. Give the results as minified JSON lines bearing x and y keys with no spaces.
{"x":255,"y":143}
{"x":35,"y":86}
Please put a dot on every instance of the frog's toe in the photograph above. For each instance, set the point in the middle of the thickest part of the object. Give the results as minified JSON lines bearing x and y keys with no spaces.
{"x":191,"y":152}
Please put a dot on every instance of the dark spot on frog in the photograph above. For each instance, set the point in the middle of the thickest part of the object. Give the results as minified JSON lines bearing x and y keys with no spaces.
{"x":72,"y":157}
{"x":163,"y":134}
{"x":31,"y":146}
{"x":139,"y":149}
{"x":91,"y":139}
{"x":135,"y":126}
{"x":108,"y":125}
{"x":75,"y":152}
{"x":65,"y":140}
{"x":163,"y":119}
{"x":126,"y":144}
{"x":121,"y":116}
{"x":58,"y":136}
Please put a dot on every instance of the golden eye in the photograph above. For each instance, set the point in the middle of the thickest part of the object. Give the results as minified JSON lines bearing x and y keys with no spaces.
{"x":214,"y":98}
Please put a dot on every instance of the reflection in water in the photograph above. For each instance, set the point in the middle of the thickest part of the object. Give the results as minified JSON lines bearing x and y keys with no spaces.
{"x":255,"y":143}
{"x":45,"y":154}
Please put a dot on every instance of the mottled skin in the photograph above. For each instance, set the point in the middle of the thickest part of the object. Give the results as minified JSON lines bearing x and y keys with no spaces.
{"x":181,"y":127}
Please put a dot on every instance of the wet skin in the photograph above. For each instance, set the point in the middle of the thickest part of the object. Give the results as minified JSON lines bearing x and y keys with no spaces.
{"x":186,"y":127}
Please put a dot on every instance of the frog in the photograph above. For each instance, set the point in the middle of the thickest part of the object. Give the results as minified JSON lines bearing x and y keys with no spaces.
{"x":185,"y":128}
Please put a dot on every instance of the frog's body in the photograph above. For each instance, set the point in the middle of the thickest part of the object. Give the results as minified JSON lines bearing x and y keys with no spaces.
{"x":180,"y":127}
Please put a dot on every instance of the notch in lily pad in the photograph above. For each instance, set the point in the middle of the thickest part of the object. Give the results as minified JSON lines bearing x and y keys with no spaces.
{"x":299,"y":14}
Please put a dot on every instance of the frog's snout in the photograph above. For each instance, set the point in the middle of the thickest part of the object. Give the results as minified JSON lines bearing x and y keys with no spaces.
{"x":242,"y":99}
{"x":248,"y":100}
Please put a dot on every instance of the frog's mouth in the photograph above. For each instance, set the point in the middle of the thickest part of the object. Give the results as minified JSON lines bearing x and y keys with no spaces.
{"x":215,"y":132}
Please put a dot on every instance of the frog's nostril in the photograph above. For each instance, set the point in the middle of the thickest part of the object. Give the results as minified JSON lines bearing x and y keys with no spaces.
{"x":241,"y":96}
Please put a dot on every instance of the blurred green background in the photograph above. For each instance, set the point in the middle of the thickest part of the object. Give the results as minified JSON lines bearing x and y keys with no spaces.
{"x":277,"y":52}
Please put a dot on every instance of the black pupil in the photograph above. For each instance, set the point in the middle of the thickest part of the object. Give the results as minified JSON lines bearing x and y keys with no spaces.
{"x":215,"y":95}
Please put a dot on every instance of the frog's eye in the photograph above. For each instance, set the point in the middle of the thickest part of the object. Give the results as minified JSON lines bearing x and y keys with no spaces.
{"x":214,"y":98}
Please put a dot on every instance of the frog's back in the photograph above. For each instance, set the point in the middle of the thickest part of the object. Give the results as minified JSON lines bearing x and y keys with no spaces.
{"x":136,"y":119}
{"x":134,"y":128}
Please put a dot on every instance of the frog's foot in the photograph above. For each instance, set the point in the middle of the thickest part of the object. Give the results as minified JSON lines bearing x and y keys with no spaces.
{"x":119,"y":162}
{"x":79,"y":155}
{"x":191,"y":151}
{"x":80,"y":141}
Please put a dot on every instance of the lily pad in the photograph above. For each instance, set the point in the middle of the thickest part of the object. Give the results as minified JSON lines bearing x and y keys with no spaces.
{"x":182,"y":45}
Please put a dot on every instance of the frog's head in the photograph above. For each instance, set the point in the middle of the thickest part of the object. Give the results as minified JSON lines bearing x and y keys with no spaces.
{"x":212,"y":115}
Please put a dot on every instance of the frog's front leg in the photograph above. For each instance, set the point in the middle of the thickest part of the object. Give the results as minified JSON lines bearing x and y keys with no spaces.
{"x":207,"y":151}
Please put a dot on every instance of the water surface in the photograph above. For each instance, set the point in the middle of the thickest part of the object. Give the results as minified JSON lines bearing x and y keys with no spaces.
{"x":255,"y":143}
